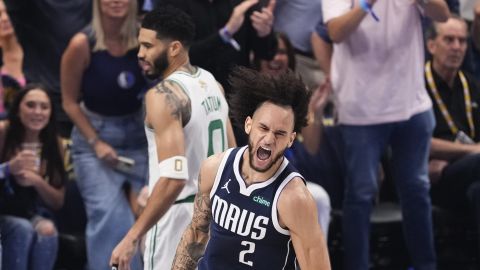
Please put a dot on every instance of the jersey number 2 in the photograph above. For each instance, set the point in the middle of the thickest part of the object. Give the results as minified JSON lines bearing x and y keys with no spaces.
{"x":215,"y":136}
{"x":250,"y":249}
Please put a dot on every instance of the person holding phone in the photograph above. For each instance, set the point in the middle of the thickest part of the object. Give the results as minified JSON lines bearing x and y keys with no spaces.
{"x":100,"y":66}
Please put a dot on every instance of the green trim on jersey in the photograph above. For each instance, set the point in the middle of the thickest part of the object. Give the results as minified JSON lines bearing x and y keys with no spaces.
{"x":182,"y":86}
{"x":152,"y":245}
{"x":194,"y":75}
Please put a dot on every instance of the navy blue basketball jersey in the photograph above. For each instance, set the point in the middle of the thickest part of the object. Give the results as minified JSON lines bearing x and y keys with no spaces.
{"x":244,"y":231}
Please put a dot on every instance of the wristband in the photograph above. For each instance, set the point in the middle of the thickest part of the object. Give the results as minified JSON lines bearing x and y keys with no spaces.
{"x":174,"y":167}
{"x":225,"y":34}
{"x":368,"y":9}
{"x":227,"y":38}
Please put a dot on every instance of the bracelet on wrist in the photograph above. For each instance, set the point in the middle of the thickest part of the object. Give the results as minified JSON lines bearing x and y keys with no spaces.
{"x":227,"y":38}
{"x":223,"y":33}
{"x":226,"y":33}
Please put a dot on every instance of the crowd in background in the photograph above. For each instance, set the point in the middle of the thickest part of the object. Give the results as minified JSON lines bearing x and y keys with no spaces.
{"x":72,"y":87}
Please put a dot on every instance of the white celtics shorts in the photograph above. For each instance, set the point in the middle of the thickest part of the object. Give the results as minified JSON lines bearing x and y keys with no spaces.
{"x":163,"y":238}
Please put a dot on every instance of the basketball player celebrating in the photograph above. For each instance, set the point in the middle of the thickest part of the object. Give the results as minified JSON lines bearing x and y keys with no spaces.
{"x":253,"y":207}
{"x":186,"y":121}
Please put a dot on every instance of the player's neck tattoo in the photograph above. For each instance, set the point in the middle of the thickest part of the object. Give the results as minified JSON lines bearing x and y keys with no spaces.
{"x":187,"y":67}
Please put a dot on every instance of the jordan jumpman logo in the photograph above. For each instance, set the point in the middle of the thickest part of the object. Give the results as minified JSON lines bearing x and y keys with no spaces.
{"x":226,"y":186}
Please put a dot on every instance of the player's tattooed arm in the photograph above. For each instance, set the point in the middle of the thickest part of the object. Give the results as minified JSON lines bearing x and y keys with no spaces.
{"x":177,"y":100}
{"x":196,"y":235}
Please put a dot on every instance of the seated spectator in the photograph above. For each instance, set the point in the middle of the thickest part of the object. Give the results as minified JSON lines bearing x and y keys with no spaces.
{"x":102,"y":91}
{"x":283,"y":60}
{"x":32,"y":183}
{"x":298,"y":20}
{"x":455,"y":153}
{"x":12,"y":77}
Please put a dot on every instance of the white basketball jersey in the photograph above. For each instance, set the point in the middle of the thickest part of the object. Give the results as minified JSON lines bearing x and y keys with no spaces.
{"x":205,"y":133}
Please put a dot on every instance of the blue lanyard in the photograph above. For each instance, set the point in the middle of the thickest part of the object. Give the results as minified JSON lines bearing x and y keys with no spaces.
{"x":368,"y":8}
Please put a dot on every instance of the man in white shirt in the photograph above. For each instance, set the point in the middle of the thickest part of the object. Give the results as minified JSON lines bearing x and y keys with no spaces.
{"x":377,"y":77}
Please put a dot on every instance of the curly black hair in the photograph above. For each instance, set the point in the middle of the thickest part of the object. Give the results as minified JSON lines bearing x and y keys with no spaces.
{"x":250,"y":89}
{"x":170,"y":23}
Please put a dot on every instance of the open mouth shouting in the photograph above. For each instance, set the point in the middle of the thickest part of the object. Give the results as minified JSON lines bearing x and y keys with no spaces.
{"x":261,"y":160}
{"x":263,"y":153}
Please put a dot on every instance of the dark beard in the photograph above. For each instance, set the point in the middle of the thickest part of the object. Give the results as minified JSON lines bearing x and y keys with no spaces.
{"x":159,"y":66}
{"x":251,"y":153}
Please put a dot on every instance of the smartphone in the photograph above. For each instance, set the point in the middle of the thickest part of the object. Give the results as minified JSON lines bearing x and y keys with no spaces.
{"x":125,"y":164}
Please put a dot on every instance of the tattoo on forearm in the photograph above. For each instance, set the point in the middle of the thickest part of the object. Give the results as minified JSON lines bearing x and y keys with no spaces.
{"x":178,"y":101}
{"x":194,"y":239}
{"x":183,"y":261}
{"x":203,"y":213}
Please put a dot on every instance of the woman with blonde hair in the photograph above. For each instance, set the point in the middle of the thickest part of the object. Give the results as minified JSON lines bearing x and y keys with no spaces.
{"x":102,"y":87}
{"x":12,"y":77}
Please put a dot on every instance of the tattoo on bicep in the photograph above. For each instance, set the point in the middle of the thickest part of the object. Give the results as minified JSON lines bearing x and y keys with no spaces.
{"x":178,"y":101}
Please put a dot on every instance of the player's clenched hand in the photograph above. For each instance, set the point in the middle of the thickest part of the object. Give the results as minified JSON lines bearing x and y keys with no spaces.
{"x":123,"y":253}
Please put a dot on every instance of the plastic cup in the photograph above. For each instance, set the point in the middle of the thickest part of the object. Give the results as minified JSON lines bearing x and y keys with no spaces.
{"x":36,"y":148}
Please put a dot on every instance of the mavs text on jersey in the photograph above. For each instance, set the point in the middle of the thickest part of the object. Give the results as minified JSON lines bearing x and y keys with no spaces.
{"x":245,"y":232}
